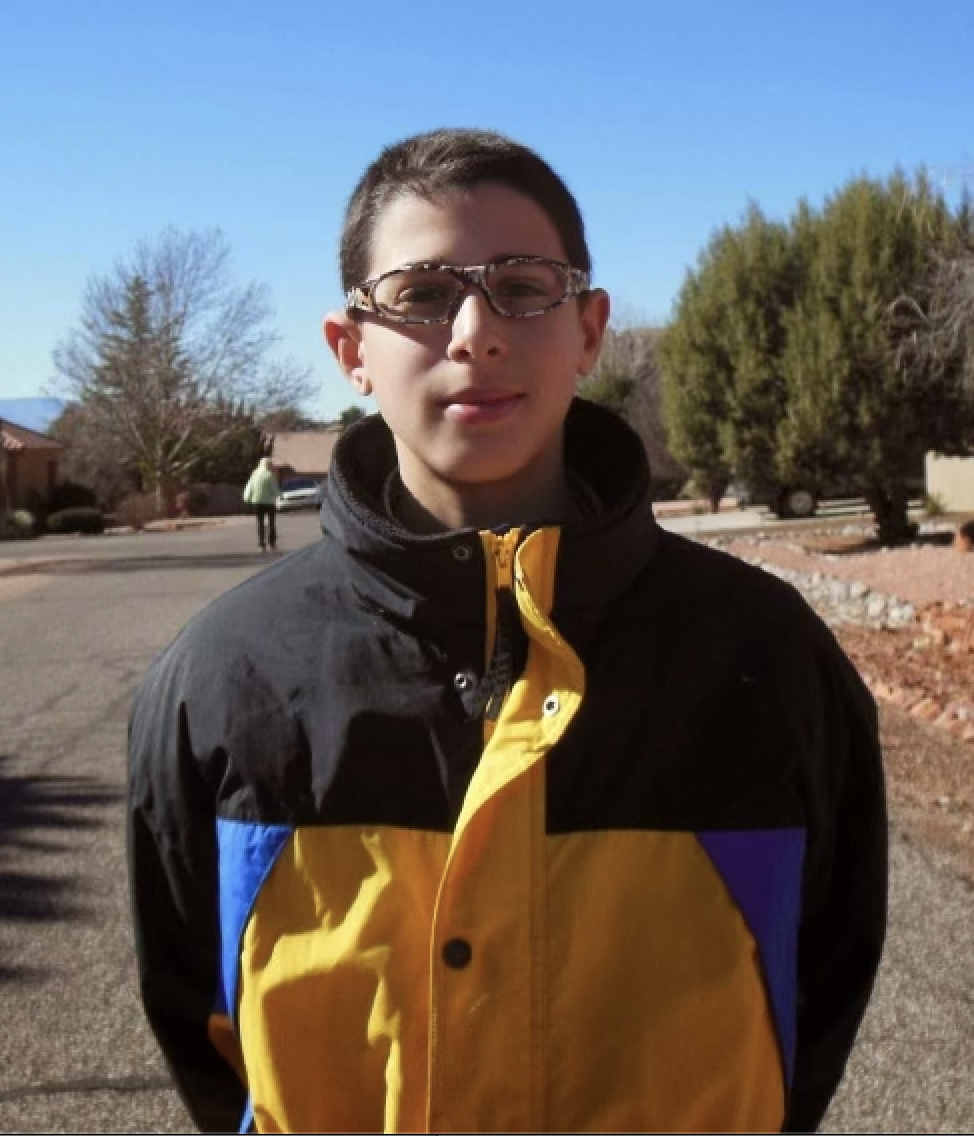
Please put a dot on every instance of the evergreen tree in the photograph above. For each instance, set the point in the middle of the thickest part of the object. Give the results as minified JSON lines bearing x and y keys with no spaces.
{"x":853,"y":408}
{"x":349,"y":416}
{"x":762,"y":271}
{"x":697,"y":374}
{"x":836,"y":347}
{"x":730,"y":331}
{"x":608,"y":386}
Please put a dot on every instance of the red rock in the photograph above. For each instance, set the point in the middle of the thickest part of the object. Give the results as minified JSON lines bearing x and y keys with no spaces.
{"x":907,"y":697}
{"x":927,"y":709}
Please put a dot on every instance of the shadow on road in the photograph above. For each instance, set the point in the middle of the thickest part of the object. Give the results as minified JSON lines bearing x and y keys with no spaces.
{"x":37,"y":816}
{"x":79,"y":565}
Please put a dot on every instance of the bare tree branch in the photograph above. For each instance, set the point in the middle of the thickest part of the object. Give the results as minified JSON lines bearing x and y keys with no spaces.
{"x":165,"y":344}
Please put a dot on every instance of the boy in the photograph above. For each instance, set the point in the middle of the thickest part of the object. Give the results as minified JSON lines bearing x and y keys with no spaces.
{"x":500,"y":809}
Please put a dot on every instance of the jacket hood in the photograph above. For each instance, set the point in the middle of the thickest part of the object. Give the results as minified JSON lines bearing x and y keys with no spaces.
{"x":599,"y":556}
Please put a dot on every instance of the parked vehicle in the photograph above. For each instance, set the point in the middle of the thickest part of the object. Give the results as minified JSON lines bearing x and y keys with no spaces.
{"x":785,"y":500}
{"x":802,"y":500}
{"x":299,"y":493}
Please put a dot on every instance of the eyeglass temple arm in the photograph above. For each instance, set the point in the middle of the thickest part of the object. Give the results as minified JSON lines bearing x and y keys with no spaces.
{"x":359,"y":297}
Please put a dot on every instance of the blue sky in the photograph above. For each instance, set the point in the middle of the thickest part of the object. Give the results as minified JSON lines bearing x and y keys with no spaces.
{"x":119,"y":118}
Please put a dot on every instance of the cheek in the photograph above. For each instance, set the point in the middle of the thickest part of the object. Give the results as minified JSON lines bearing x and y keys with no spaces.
{"x":390,"y":356}
{"x":562,"y":354}
{"x":560,"y":337}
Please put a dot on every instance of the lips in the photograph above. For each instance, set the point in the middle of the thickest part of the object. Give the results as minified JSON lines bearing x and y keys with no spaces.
{"x":480,"y":405}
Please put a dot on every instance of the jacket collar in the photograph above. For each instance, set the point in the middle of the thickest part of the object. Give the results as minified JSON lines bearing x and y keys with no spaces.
{"x":432,"y":577}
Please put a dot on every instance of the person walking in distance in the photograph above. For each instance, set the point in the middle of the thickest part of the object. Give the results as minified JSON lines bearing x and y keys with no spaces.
{"x":261,"y":491}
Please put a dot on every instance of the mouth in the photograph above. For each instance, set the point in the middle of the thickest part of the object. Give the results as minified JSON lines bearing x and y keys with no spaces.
{"x":482,"y":405}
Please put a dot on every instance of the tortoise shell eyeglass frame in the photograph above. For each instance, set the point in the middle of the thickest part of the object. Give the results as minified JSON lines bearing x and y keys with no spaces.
{"x":361,"y":297}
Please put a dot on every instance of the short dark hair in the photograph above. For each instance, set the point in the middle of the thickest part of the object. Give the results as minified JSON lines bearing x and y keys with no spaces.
{"x":432,"y":165}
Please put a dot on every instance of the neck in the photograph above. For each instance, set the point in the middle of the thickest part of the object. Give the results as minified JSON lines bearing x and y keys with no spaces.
{"x":480,"y":507}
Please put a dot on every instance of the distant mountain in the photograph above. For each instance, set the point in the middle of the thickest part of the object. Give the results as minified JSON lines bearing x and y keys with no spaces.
{"x":34,"y":413}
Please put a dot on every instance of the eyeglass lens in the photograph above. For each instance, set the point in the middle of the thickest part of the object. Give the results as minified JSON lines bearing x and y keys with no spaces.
{"x":430,"y":293}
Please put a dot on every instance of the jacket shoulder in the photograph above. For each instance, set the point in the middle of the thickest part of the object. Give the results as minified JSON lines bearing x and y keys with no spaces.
{"x":718,"y":581}
{"x":256,"y":619}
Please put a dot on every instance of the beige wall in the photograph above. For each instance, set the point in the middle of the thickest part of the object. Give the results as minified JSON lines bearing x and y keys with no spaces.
{"x":952,"y":480}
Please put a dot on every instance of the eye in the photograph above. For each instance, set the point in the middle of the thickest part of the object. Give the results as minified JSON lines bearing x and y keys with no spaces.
{"x":422,"y":293}
{"x":511,"y":286}
{"x":530,"y":287}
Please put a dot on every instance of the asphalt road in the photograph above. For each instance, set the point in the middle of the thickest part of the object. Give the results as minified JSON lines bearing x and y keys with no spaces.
{"x":75,"y":1056}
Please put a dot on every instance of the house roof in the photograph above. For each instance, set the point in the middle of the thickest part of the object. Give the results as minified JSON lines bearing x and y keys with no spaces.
{"x":14,"y":438}
{"x":305,"y":451}
{"x":35,"y":414}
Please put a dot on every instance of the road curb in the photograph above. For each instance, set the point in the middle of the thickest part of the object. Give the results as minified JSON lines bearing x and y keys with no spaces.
{"x":34,"y":565}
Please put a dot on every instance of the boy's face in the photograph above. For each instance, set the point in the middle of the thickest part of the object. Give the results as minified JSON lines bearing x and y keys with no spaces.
{"x":476,"y":404}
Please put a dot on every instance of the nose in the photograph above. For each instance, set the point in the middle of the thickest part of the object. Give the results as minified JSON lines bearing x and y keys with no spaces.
{"x":477,"y":332}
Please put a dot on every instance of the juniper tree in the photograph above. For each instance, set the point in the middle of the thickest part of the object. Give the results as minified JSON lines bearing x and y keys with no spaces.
{"x":724,"y":392}
{"x":838,"y":346}
{"x":852,"y":406}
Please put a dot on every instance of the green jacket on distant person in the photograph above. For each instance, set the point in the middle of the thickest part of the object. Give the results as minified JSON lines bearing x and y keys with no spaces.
{"x":261,"y":487}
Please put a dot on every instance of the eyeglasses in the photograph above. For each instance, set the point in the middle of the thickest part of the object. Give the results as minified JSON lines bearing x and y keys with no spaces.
{"x":518,"y":287}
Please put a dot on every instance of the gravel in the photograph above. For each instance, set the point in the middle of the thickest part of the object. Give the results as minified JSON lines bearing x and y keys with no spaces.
{"x":916,"y":575}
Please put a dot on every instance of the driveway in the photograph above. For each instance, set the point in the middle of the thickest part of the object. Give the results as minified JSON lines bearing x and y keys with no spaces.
{"x":75,"y":1055}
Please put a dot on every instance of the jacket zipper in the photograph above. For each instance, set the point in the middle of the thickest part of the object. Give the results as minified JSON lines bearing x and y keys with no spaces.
{"x":500,"y":670}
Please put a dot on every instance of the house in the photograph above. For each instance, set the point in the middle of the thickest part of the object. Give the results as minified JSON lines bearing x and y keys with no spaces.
{"x":29,"y":463}
{"x":951,"y":481}
{"x":304,"y":453}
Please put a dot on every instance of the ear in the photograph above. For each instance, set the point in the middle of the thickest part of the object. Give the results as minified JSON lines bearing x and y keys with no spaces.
{"x":593,"y":318}
{"x":344,"y":336}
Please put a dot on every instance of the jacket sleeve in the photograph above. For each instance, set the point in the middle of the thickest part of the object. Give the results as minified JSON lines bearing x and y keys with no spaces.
{"x":173,"y":878}
{"x":248,"y":491}
{"x":843,"y":919}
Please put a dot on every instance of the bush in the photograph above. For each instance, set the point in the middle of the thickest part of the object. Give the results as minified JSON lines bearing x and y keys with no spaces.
{"x":21,"y":524}
{"x":70,"y":495}
{"x":191,"y":501}
{"x":81,"y":520}
{"x":36,"y":503}
{"x":933,"y":505}
{"x":136,"y":510}
{"x":666,"y":488}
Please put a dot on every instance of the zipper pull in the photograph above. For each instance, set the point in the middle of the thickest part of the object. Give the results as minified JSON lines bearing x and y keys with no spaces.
{"x":500,"y":673}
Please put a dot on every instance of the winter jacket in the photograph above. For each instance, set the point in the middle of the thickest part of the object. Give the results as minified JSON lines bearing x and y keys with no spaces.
{"x":261,"y":487}
{"x":573,"y":828}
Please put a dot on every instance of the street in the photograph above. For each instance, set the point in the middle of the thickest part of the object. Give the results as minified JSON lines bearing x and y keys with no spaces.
{"x":77,"y":632}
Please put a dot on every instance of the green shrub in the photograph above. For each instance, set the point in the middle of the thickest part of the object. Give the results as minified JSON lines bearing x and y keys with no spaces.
{"x":933,"y":505}
{"x":666,"y":488}
{"x":70,"y":495}
{"x":21,"y":524}
{"x":36,"y":504}
{"x":80,"y":520}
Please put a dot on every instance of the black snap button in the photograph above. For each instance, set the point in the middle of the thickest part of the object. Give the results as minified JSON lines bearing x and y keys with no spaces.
{"x":462,"y":552}
{"x":463,"y":680}
{"x":457,"y":953}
